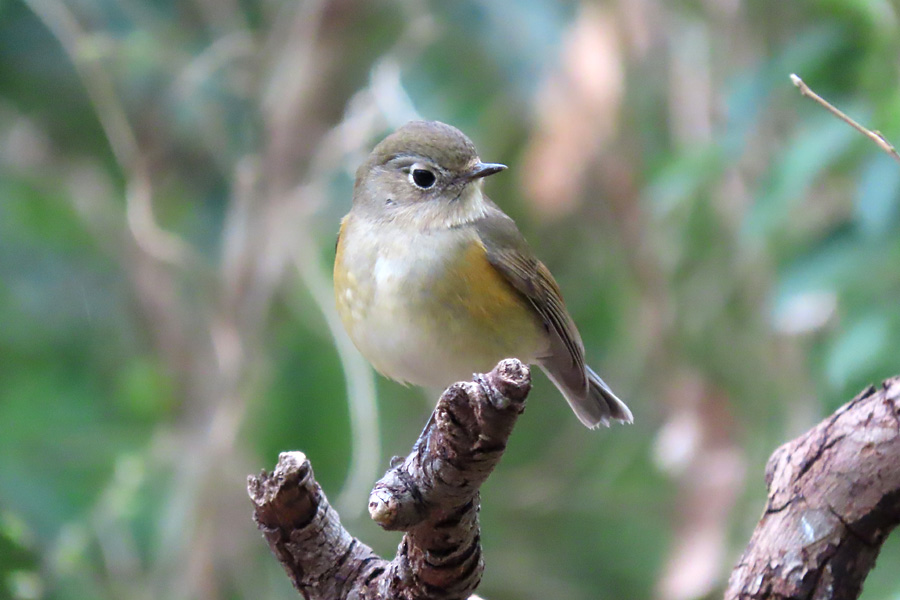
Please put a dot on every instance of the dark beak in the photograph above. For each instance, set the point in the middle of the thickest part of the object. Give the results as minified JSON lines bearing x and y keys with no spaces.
{"x":483,"y":170}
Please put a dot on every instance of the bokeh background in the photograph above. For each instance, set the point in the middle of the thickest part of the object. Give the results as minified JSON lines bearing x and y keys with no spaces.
{"x":172,"y":175}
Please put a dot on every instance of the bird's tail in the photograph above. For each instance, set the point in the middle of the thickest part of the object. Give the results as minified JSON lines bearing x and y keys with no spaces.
{"x":611,"y":406}
{"x":598,"y":405}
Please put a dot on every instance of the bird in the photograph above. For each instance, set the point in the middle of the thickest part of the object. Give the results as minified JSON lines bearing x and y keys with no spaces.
{"x":434,"y":282}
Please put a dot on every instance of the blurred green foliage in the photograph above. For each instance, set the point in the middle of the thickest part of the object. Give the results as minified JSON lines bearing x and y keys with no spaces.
{"x":730,"y":251}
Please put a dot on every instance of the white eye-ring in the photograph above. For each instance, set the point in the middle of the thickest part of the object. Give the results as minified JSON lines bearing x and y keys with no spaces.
{"x":421,"y":177}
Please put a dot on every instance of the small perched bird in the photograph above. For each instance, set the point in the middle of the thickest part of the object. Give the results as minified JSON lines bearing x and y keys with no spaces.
{"x":434,"y":282}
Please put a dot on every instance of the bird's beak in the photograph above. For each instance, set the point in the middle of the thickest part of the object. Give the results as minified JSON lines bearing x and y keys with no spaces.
{"x":483,"y":170}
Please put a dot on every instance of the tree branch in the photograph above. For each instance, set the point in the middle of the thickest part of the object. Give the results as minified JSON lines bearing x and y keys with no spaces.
{"x":875,"y":136}
{"x":834,"y":496}
{"x":432,"y":495}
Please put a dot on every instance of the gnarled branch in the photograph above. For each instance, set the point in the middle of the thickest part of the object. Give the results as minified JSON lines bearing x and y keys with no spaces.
{"x":432,"y":495}
{"x":834,"y":496}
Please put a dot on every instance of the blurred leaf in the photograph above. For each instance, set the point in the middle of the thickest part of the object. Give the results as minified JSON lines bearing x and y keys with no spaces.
{"x":145,"y":389}
{"x":17,"y":551}
{"x":878,"y":196}
{"x":815,"y":149}
{"x":35,"y":211}
{"x":751,"y":91}
{"x":678,"y":184}
{"x":846,"y":263}
{"x":857,"y":349}
{"x":822,"y":268}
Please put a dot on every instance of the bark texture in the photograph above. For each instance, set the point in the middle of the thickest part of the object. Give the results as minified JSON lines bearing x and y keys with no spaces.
{"x":432,"y":495}
{"x":834,"y":496}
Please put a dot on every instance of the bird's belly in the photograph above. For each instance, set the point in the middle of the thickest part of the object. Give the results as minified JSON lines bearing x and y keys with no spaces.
{"x":434,"y":314}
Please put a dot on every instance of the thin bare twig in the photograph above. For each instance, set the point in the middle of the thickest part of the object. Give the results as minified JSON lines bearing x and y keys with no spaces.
{"x":875,"y":136}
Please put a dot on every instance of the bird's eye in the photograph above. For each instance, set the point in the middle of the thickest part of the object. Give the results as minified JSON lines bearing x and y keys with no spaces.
{"x":423,"y":178}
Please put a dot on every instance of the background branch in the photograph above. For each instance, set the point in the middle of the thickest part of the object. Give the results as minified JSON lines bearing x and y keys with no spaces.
{"x":432,"y":495}
{"x":875,"y":136}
